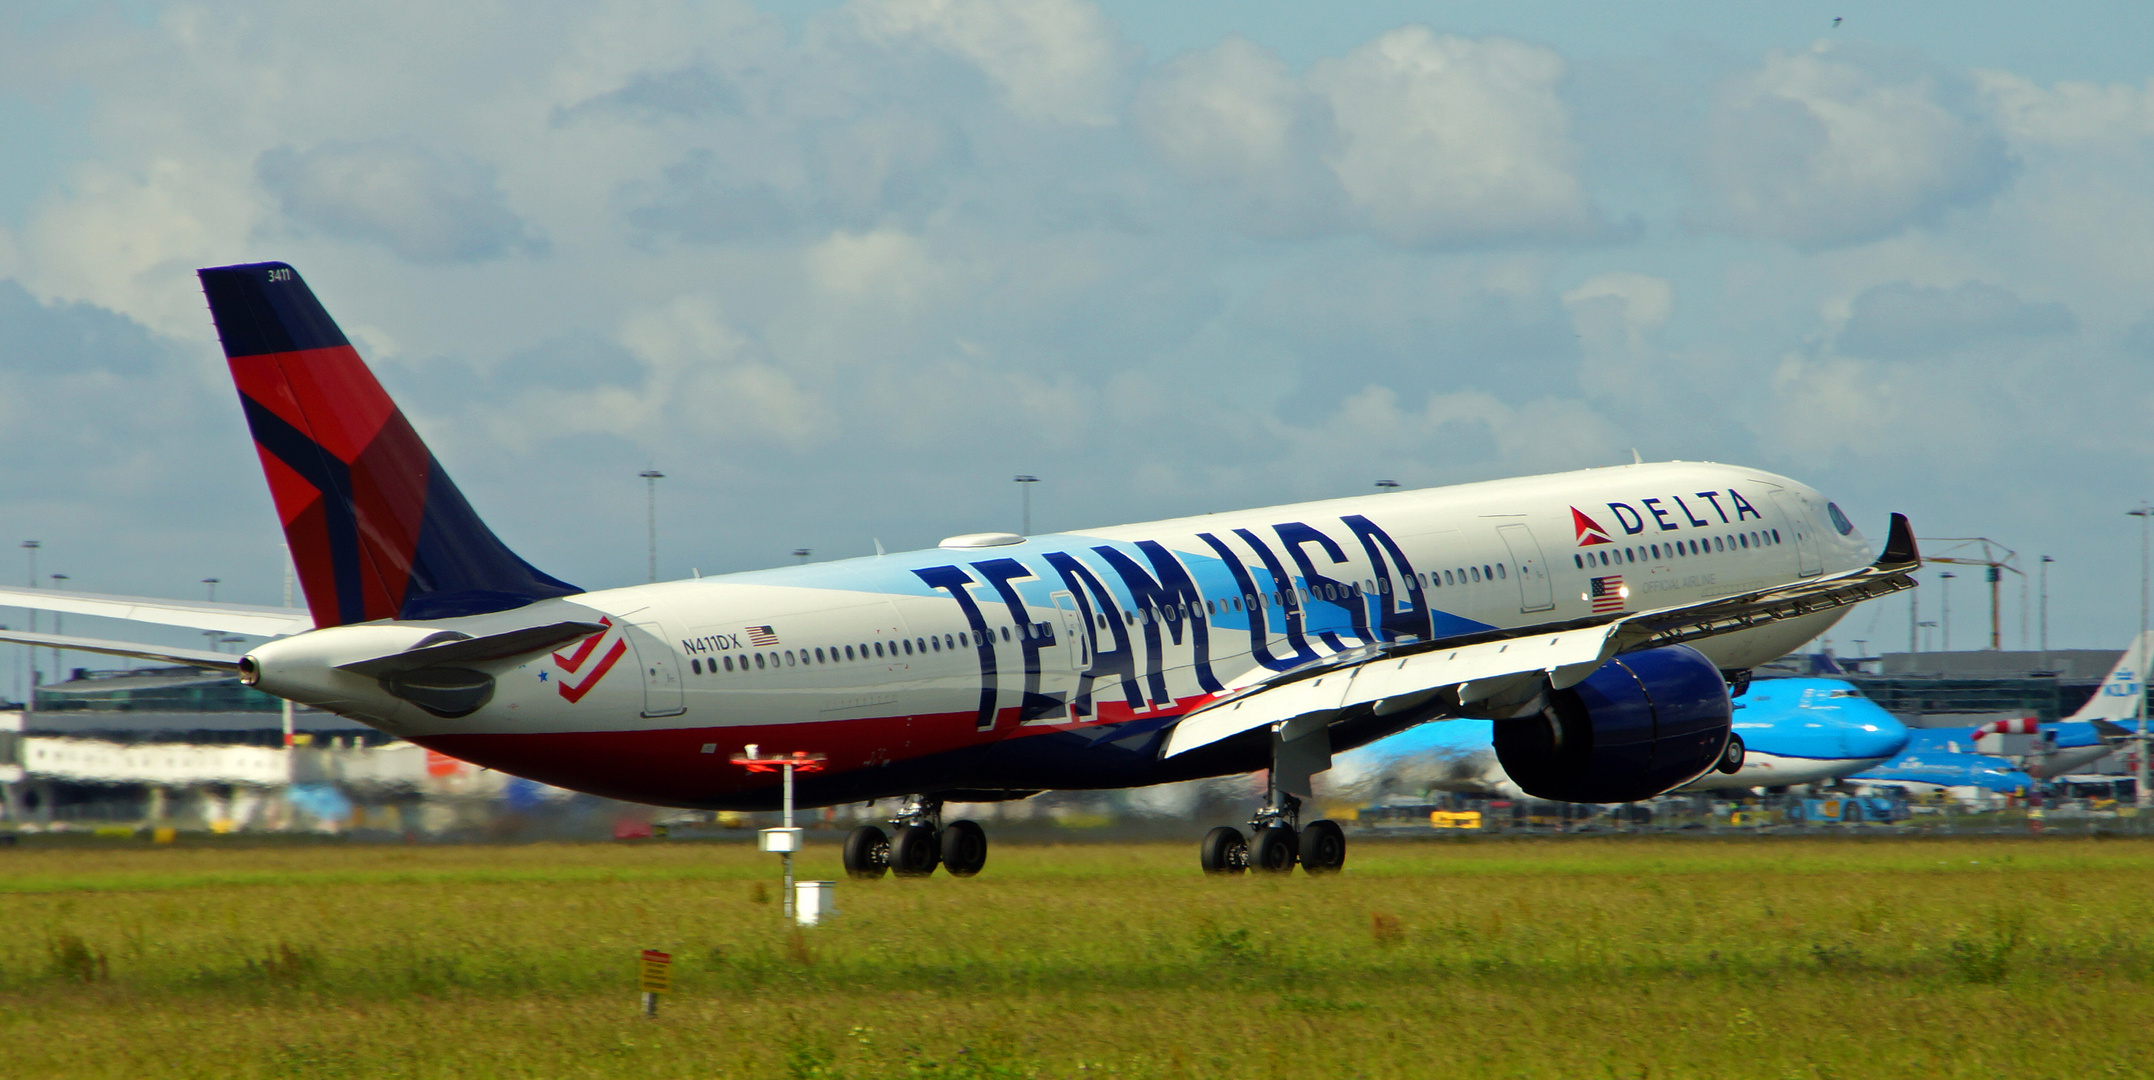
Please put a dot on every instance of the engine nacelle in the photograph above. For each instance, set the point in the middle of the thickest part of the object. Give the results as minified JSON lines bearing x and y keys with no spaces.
{"x":1644,"y":723}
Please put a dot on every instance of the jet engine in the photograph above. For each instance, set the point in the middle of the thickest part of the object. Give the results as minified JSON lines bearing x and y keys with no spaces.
{"x":1642,"y":724}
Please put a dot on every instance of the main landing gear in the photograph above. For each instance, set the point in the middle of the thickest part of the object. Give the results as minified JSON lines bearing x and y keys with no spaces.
{"x":1299,"y":750}
{"x":1275,"y":844}
{"x":917,"y":844}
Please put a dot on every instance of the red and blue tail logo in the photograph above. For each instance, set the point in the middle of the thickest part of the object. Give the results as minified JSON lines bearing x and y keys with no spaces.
{"x":377,"y":529}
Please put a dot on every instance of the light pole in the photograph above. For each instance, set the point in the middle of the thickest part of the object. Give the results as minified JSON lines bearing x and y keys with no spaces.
{"x":1927,"y":625}
{"x":210,"y":584}
{"x":29,"y":653}
{"x":2046,"y":560}
{"x":1024,"y":482}
{"x":651,"y":477}
{"x":1946,"y":618}
{"x":59,"y":582}
{"x":2141,"y":797}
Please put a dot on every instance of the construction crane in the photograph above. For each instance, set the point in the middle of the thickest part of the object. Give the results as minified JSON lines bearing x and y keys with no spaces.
{"x":1984,"y":552}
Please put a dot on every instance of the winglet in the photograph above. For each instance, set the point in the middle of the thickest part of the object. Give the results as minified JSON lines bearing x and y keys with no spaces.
{"x":1900,"y":550}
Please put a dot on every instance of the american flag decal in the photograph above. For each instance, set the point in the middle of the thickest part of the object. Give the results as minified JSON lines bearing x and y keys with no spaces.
{"x":761,"y":637}
{"x":1608,"y":593}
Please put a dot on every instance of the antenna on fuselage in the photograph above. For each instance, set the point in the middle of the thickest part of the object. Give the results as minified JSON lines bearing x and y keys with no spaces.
{"x":878,"y":545}
{"x":1634,"y":458}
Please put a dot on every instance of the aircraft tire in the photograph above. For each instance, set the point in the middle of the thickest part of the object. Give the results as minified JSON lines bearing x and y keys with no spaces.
{"x":1224,"y":851}
{"x":1271,"y":850}
{"x":964,"y":848}
{"x":1323,"y":847}
{"x":1731,"y":755}
{"x":867,"y":853}
{"x":915,"y":851}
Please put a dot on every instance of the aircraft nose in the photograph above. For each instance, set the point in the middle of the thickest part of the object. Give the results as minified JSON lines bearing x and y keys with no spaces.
{"x":1878,"y":736}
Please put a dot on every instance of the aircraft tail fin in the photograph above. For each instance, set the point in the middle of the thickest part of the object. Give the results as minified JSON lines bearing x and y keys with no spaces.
{"x":377,"y":529}
{"x":2118,"y":696}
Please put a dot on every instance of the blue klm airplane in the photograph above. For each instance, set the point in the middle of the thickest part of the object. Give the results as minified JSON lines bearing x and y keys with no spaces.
{"x":1987,"y":757}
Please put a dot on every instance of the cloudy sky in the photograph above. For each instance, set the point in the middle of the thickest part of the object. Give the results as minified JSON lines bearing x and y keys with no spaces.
{"x":840,"y":270}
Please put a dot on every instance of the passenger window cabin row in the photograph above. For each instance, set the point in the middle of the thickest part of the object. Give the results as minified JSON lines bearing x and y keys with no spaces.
{"x":1248,"y":602}
{"x":1677,"y":549}
{"x":835,"y":654}
{"x":774,"y":659}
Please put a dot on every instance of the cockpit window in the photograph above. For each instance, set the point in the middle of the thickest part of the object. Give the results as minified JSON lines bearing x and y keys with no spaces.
{"x":1839,"y":520}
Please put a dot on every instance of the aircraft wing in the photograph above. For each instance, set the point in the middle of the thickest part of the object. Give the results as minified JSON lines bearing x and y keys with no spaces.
{"x":1476,"y":667}
{"x":202,"y":658}
{"x":229,"y":618}
{"x":2108,"y":731}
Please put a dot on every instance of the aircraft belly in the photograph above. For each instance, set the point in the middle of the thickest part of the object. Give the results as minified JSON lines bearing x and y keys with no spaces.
{"x":867,"y":758}
{"x":1763,"y":644}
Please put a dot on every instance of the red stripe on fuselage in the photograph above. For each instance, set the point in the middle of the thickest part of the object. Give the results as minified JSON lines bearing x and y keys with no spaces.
{"x":667,"y":766}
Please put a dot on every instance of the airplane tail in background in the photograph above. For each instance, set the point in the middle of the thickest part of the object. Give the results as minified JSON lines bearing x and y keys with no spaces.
{"x":2118,"y":696}
{"x":377,"y":529}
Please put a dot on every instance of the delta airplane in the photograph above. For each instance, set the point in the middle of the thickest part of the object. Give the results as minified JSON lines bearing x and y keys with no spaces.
{"x":995,"y":666}
{"x":1794,"y":731}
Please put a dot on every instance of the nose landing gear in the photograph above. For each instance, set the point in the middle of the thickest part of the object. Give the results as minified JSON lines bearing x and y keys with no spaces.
{"x":919,"y":844}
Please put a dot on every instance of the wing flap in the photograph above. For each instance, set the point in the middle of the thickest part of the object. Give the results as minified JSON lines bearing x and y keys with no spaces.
{"x":229,"y":618}
{"x":1389,"y":676}
{"x":201,"y":658}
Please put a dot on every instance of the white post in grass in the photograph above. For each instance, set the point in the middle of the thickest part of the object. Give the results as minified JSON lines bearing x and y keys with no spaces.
{"x":2142,"y":798}
{"x":786,"y":839}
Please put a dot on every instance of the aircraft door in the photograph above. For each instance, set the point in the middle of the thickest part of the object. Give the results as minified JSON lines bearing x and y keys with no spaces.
{"x":1796,"y":510}
{"x":1077,"y":645}
{"x":661,"y":669}
{"x":1536,"y":590}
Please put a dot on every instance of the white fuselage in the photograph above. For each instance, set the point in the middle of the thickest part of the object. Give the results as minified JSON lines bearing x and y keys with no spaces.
{"x":968,"y":653}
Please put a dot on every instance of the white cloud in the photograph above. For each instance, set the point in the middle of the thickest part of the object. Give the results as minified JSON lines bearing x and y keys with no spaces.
{"x":1838,"y":146}
{"x":1060,"y":61}
{"x":2070,"y":112}
{"x":1900,"y":319}
{"x":1417,"y":138}
{"x":1445,"y":140}
{"x":1235,"y":120}
{"x":1617,"y":315}
{"x":426,"y":206}
{"x":130,"y":239}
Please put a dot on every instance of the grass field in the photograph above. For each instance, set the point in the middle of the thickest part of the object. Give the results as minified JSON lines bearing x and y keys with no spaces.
{"x":1611,"y":957}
